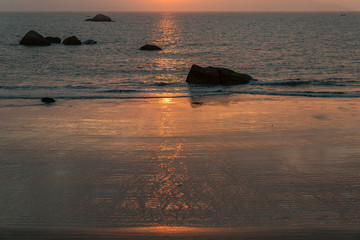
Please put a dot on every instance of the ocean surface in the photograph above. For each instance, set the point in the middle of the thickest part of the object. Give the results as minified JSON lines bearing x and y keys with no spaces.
{"x":290,"y":54}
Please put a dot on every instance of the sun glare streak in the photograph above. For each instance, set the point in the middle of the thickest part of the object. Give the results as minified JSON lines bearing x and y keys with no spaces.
{"x":168,"y":61}
{"x":167,"y":100}
{"x":168,"y":30}
{"x":172,"y":230}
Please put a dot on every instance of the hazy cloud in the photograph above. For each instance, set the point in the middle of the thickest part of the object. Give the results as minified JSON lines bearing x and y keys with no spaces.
{"x":182,"y":5}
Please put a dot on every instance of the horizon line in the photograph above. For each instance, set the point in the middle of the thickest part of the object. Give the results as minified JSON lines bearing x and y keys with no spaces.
{"x":178,"y":11}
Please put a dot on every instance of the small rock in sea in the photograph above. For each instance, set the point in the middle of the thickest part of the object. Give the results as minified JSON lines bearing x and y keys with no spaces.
{"x":149,"y":47}
{"x":47,"y":100}
{"x":100,"y":18}
{"x":161,"y":84}
{"x":214,"y":76}
{"x":71,"y":41}
{"x":53,"y":39}
{"x":33,"y":38}
{"x":89,"y":42}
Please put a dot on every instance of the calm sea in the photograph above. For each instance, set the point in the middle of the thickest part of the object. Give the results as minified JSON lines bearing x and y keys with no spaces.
{"x":291,"y":54}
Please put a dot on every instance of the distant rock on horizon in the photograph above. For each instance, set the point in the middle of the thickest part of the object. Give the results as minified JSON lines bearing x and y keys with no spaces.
{"x":215,"y":76}
{"x":32,"y":38}
{"x":100,"y":18}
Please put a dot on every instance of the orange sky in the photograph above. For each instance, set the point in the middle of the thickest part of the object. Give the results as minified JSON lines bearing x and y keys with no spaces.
{"x":179,"y":5}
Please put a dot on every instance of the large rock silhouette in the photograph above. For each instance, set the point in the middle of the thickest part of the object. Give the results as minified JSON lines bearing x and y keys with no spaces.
{"x":33,"y":38}
{"x":214,"y":76}
{"x":100,"y":18}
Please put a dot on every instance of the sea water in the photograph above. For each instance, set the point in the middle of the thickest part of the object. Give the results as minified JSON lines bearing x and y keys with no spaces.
{"x":290,"y":54}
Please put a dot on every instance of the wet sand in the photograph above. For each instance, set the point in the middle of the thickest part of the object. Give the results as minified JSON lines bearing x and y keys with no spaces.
{"x":274,"y":167}
{"x":183,"y":233}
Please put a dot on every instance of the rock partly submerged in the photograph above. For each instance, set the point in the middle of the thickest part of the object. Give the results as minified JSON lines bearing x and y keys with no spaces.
{"x":32,"y":38}
{"x":89,"y":42}
{"x":53,"y":40}
{"x":100,"y":18}
{"x":215,"y":76}
{"x":149,"y":47}
{"x":71,"y":41}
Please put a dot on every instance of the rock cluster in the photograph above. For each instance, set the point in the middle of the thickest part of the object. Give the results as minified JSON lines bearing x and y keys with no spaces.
{"x":197,"y":74}
{"x":33,"y":38}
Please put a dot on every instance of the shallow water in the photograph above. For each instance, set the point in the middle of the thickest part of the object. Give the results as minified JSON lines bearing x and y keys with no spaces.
{"x":295,"y":54}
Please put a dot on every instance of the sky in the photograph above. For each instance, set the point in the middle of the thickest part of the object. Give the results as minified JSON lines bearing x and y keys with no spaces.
{"x":179,"y":5}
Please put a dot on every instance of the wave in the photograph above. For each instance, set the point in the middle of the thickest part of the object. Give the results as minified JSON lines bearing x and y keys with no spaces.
{"x":324,"y":94}
{"x":331,"y":87}
{"x":90,"y":97}
{"x":118,"y":91}
{"x":339,"y":82}
{"x":143,"y":95}
{"x":32,"y":87}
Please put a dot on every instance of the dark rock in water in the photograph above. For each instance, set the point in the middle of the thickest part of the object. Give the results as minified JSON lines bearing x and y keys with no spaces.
{"x":149,"y":47}
{"x":71,"y":41}
{"x":33,"y":38}
{"x":100,"y":18}
{"x":47,"y":100}
{"x":89,"y":42}
{"x":214,"y":76}
{"x":53,"y":39}
{"x":161,"y":84}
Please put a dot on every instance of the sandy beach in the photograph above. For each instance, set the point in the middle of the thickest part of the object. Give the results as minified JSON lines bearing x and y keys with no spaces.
{"x":256,"y":166}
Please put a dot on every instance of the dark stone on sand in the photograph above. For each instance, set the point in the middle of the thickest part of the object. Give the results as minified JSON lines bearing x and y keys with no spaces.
{"x":47,"y":100}
{"x":100,"y":18}
{"x":53,"y":40}
{"x":33,"y":38}
{"x":89,"y":42}
{"x":215,"y":76}
{"x":72,"y":41}
{"x":149,"y":47}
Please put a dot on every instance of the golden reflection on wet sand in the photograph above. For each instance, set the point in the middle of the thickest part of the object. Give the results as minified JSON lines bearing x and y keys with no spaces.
{"x":254,"y":162}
